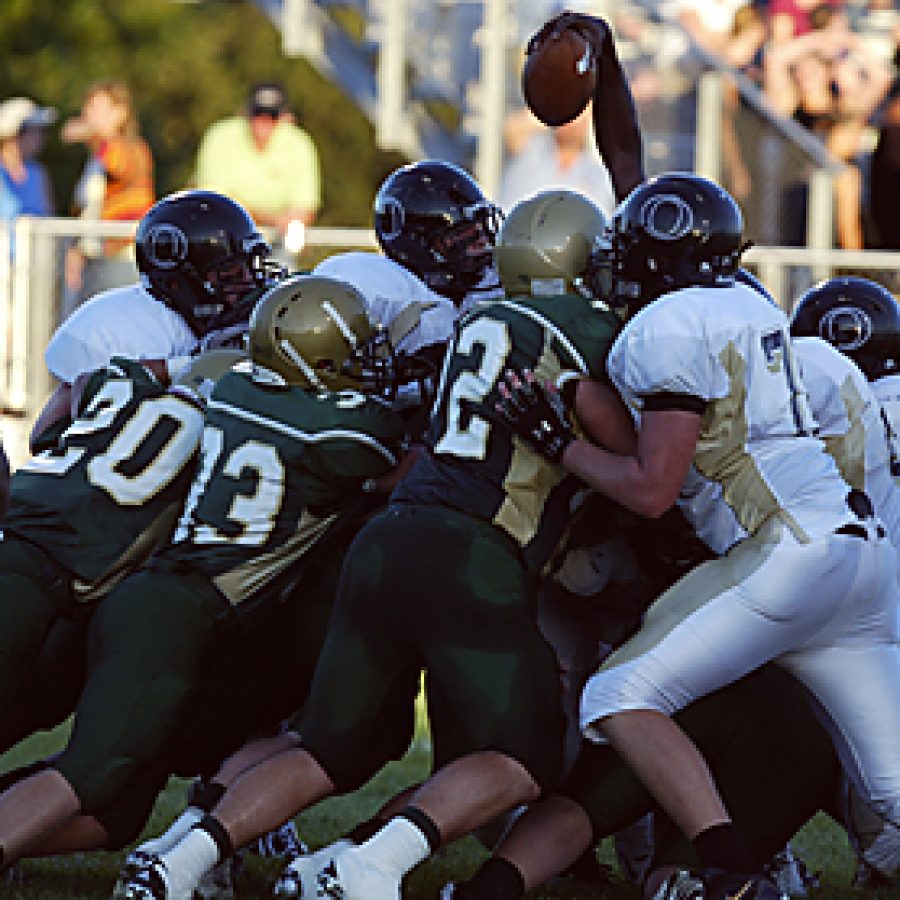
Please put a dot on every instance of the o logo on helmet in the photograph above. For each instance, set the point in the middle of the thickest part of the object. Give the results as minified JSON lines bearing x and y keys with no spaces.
{"x":393,"y":217}
{"x":846,"y":327}
{"x":166,"y":246}
{"x":667,"y":217}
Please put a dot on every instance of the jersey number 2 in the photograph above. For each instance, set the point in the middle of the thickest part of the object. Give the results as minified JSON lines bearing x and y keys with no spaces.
{"x":466,"y":433}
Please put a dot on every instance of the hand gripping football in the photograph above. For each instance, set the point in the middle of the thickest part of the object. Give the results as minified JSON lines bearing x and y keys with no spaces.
{"x":559,"y":76}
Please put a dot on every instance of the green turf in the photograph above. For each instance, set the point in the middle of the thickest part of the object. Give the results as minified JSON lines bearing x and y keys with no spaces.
{"x":822,"y":844}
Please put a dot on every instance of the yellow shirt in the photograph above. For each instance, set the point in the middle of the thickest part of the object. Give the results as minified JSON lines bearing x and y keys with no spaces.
{"x":285,"y":175}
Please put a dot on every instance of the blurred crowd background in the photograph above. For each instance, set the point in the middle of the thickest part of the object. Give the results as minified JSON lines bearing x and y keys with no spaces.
{"x":299,"y":108}
{"x":168,"y":71}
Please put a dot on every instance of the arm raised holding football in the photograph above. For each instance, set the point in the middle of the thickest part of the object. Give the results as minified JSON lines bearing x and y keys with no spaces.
{"x":571,"y":60}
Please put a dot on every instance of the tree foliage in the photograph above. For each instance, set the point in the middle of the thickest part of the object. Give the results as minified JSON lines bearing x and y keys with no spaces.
{"x":187,"y":64}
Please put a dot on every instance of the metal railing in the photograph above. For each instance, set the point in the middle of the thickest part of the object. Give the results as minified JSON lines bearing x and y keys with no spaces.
{"x":32,"y":251}
{"x":31,"y":289}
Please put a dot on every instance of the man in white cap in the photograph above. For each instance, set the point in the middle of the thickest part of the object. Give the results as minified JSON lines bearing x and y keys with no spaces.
{"x":25,"y":186}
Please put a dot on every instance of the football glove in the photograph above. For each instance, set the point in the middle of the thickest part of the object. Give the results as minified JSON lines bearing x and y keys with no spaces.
{"x":536,"y":414}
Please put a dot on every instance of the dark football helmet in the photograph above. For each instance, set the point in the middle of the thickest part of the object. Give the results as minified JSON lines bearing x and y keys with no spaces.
{"x":856,"y":316}
{"x":200,"y":253}
{"x":433,"y":219}
{"x":673,"y":231}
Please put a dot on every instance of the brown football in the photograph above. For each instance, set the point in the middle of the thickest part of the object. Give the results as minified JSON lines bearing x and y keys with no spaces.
{"x":559,"y":77}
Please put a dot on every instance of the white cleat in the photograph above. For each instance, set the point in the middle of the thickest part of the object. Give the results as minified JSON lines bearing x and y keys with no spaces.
{"x":298,"y":878}
{"x":351,"y":877}
{"x":150,"y":880}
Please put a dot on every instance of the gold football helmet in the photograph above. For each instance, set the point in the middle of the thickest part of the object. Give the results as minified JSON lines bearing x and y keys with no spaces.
{"x":545,"y":241}
{"x":313,"y":331}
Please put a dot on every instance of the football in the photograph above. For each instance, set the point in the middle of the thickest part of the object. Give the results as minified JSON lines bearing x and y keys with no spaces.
{"x":559,"y":77}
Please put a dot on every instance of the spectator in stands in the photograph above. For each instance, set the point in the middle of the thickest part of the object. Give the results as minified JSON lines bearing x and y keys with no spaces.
{"x":24,"y":182}
{"x":824,"y":81}
{"x":710,"y":23}
{"x":744,"y":52}
{"x":562,"y":157}
{"x":116,"y":184}
{"x":266,"y":162}
{"x":794,"y":18}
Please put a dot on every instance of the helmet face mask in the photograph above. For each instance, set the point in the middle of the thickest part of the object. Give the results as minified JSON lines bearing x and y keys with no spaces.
{"x":671,"y":232}
{"x":200,"y":253}
{"x":545,"y":243}
{"x":433,"y":219}
{"x":858,"y":317}
{"x":315,"y":332}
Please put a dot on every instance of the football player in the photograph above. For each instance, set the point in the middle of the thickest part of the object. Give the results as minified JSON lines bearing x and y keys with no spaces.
{"x":417,"y":323}
{"x":824,"y":327}
{"x":202,"y":263}
{"x":806,"y":574}
{"x":292,"y":448}
{"x":90,"y":509}
{"x":433,"y":219}
{"x":497,"y":511}
{"x":198,"y":254}
{"x":789,"y":746}
{"x":861,"y":318}
{"x":542,"y":249}
{"x":761,"y":730}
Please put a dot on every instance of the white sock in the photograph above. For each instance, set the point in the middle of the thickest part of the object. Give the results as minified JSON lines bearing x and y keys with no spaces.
{"x":189,"y":860}
{"x":397,"y":848}
{"x":175,"y":832}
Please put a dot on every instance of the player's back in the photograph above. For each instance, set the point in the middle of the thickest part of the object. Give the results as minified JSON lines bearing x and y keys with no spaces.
{"x":391,"y":291}
{"x":125,"y":322}
{"x":281,"y":466}
{"x":479,"y":468}
{"x":887,"y":390}
{"x":851,"y":424}
{"x":109,"y":491}
{"x":756,"y":456}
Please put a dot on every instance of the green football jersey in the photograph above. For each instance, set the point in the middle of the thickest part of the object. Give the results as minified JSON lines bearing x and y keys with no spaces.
{"x":280,"y":468}
{"x":477,"y":466}
{"x":108,"y":493}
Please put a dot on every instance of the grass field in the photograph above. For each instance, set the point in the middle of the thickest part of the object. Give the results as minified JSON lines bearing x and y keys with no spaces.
{"x":822,"y":845}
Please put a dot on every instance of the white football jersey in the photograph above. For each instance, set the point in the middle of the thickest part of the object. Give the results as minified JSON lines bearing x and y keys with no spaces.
{"x":756,"y":455}
{"x":389,"y":289}
{"x":887,"y":390}
{"x":126,"y":321}
{"x":851,"y":424}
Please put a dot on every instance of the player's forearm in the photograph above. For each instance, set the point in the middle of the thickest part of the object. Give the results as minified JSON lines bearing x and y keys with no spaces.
{"x":616,"y":129}
{"x":621,"y":478}
{"x":56,"y":408}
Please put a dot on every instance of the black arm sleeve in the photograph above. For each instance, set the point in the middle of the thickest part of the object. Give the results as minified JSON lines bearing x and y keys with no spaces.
{"x":616,"y":129}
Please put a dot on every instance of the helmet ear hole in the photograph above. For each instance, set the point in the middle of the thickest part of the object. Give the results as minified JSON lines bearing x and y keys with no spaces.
{"x":188,"y":235}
